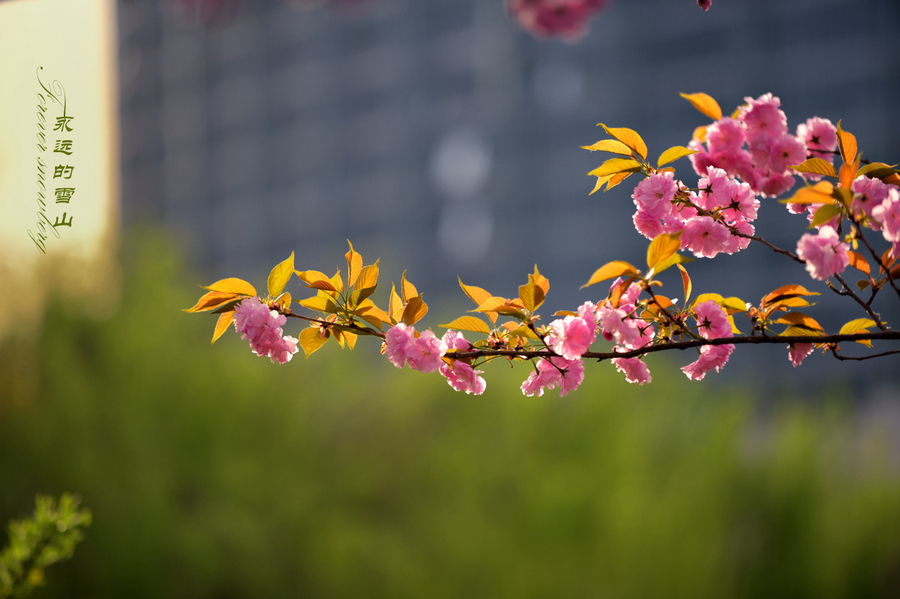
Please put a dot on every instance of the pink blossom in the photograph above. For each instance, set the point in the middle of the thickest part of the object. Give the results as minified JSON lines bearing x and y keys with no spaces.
{"x":704,"y":237}
{"x":763,"y":116}
{"x":568,"y":374}
{"x":713,"y":187}
{"x":462,"y":377}
{"x":619,"y":326}
{"x":454,"y":340}
{"x":820,"y":137}
{"x":869,"y":193}
{"x":634,"y":368}
{"x":704,"y":4}
{"x":571,"y":336}
{"x":738,"y":201}
{"x":797,"y":352}
{"x":787,"y":151}
{"x":425,"y":355}
{"x":262,"y":326}
{"x":647,"y":225}
{"x":712,"y":320}
{"x":711,"y":356}
{"x":825,"y":255}
{"x":421,"y":350}
{"x":775,"y":184}
{"x":736,"y":243}
{"x":725,"y":134}
{"x":565,"y":18}
{"x":654,"y":195}
{"x":887,"y":214}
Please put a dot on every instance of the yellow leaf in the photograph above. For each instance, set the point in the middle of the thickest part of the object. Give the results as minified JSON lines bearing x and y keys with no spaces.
{"x":786,"y":292}
{"x":312,"y":339}
{"x":611,"y":270}
{"x":478,"y":295}
{"x":699,"y":134}
{"x":540,"y":280}
{"x":491,"y":304}
{"x":705,"y":104}
{"x":407,"y":289}
{"x":705,"y":297}
{"x":414,"y":311}
{"x":610,"y":145}
{"x":847,"y":145}
{"x":858,"y":262}
{"x":319,"y":303}
{"x":628,"y":137}
{"x":662,"y":247}
{"x":615,"y":294}
{"x":225,"y":319}
{"x":860,"y":325}
{"x":673,"y":154}
{"x":368,"y":277}
{"x":284,"y":302}
{"x":372,"y":314}
{"x":847,"y":174}
{"x":354,"y":265}
{"x":469,"y":323}
{"x":816,"y":166}
{"x":280,"y":275}
{"x":395,"y":306}
{"x":337,"y":282}
{"x":212,"y":300}
{"x":816,"y":194}
{"x":615,"y":165}
{"x":688,"y":286}
{"x":616,"y":179}
{"x":313,"y":276}
{"x":232,"y":285}
{"x":801,"y":320}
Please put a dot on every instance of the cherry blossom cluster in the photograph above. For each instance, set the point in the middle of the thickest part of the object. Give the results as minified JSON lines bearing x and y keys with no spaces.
{"x":424,"y":352}
{"x":756,"y":146}
{"x":262,"y":326}
{"x":707,"y":219}
{"x":740,"y":160}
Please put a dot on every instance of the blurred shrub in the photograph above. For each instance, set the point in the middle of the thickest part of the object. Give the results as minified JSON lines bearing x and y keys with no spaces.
{"x":215,"y":474}
{"x":35,"y":543}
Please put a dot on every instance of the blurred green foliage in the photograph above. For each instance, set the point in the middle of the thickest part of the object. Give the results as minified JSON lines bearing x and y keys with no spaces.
{"x":215,"y":474}
{"x":35,"y":543}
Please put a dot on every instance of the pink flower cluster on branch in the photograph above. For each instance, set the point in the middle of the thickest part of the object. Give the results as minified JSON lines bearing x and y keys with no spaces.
{"x":739,"y":163}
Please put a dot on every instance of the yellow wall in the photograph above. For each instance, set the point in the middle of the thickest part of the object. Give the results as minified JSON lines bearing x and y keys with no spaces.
{"x":56,"y":56}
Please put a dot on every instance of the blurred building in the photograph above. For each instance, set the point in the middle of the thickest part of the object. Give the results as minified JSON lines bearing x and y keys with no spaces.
{"x":444,"y":140}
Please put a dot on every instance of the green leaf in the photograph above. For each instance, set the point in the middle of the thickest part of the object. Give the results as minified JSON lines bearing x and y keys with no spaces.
{"x":280,"y":275}
{"x":824,"y":214}
{"x":877,"y":170}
